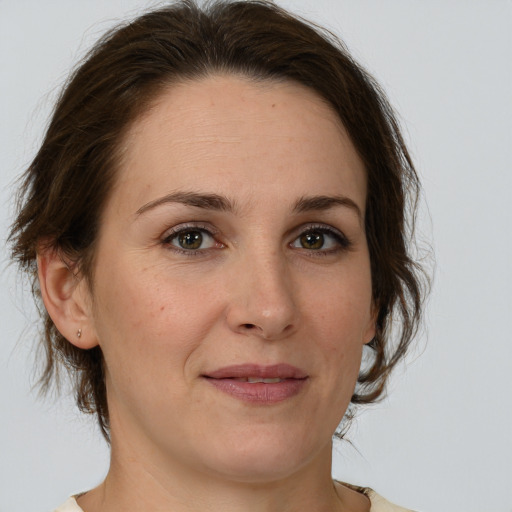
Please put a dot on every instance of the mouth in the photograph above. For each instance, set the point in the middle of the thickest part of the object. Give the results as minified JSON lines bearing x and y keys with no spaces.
{"x":259,"y":384}
{"x":257,"y":372}
{"x":254,"y":380}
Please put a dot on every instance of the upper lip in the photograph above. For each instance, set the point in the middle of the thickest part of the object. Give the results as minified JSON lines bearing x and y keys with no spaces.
{"x":275,"y":371}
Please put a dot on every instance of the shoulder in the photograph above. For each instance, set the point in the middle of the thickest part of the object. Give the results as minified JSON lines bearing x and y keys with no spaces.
{"x":69,"y":506}
{"x":379,"y":504}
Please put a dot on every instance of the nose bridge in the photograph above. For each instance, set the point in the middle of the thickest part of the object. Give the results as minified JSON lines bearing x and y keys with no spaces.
{"x":264,"y":302}
{"x":271,"y":283}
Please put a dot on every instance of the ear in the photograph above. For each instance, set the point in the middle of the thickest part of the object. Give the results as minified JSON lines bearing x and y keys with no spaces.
{"x":67,"y":298}
{"x":371,"y":326}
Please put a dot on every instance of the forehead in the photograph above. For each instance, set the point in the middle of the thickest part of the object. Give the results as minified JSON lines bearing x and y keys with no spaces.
{"x":230,"y":134}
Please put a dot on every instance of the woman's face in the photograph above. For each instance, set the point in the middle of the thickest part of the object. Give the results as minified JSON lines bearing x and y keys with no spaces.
{"x":232,"y":249}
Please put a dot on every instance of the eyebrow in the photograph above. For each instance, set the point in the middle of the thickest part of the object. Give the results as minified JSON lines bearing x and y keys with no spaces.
{"x":205,"y":201}
{"x":221,"y":203}
{"x":320,"y":203}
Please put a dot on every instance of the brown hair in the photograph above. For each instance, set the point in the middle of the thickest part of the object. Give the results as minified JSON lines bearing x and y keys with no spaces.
{"x":66,"y":186}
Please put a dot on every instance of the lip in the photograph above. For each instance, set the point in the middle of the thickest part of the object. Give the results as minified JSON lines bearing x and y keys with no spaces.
{"x":275,"y":371}
{"x":292,"y":382}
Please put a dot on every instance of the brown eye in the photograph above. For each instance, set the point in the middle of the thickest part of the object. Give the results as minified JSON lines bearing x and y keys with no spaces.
{"x":321,"y":239}
{"x":191,"y":240}
{"x":312,"y":240}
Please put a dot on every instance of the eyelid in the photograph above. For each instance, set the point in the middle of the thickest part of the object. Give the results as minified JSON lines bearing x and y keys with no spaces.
{"x":344,"y":242}
{"x":199,"y":226}
{"x":173,"y":232}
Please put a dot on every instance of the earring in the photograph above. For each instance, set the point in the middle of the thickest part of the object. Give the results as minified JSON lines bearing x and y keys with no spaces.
{"x":79,"y":333}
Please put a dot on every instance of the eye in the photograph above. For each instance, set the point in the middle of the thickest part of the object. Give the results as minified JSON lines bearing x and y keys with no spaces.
{"x":191,"y":239}
{"x":322,"y":239}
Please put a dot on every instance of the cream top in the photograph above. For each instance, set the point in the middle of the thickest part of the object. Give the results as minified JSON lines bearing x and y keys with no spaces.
{"x":378,"y":504}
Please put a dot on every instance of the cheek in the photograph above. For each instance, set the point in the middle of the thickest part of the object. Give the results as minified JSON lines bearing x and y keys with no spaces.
{"x":340,"y":318}
{"x":343,"y":311}
{"x":148,"y":316}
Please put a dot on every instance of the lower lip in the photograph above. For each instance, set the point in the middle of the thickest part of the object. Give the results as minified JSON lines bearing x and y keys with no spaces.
{"x":259,"y":392}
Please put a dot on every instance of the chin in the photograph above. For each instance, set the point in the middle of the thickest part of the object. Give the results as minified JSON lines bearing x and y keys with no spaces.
{"x":264,"y":457}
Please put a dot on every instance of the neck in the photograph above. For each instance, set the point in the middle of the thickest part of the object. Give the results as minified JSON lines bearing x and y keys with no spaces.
{"x":140,"y":483}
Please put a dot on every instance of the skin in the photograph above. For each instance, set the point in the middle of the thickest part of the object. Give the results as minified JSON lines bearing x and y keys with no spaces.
{"x":253,"y":292}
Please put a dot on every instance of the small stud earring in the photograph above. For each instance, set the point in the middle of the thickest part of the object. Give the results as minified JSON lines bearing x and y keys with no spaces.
{"x":79,"y":333}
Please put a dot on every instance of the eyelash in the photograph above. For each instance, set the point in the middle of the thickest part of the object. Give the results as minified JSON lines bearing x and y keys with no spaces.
{"x":185,"y":228}
{"x":342,"y":242}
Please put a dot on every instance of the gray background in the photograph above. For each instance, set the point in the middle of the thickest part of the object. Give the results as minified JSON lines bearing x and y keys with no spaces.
{"x":442,"y":440}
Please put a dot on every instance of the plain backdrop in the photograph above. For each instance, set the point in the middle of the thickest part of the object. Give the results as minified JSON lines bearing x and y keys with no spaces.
{"x":442,"y":440}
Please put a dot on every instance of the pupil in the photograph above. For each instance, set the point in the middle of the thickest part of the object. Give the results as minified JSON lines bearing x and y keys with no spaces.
{"x":312,"y":240}
{"x":191,"y":240}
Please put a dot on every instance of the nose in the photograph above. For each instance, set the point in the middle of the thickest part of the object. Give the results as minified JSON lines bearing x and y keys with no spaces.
{"x":262,"y":301}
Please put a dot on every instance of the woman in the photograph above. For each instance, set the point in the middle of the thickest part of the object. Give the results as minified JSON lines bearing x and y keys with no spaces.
{"x":216,"y":225}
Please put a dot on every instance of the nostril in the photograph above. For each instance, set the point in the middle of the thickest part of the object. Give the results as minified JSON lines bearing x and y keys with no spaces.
{"x":248,"y":326}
